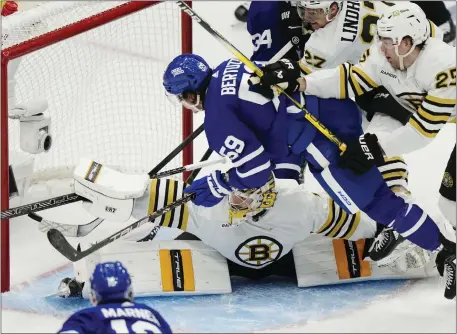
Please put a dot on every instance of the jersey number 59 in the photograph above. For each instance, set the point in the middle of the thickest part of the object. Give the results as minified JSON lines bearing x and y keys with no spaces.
{"x":232,"y":148}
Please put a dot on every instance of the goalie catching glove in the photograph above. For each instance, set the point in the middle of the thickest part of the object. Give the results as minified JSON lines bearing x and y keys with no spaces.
{"x":283,"y":73}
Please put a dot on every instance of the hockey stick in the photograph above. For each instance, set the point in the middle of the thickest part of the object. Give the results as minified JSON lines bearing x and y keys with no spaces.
{"x":71,"y":198}
{"x":313,"y":120}
{"x":71,"y":230}
{"x":61,"y":244}
{"x":281,"y":53}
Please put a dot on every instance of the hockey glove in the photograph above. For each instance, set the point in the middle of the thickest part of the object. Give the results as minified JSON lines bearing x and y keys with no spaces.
{"x":283,"y":73}
{"x":360,"y":156}
{"x":209,"y":190}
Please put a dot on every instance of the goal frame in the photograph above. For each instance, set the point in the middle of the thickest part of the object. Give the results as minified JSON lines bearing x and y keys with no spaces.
{"x":49,"y":39}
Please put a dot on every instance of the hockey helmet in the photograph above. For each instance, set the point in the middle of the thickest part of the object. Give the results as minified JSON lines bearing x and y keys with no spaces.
{"x":185,"y":76}
{"x":110,"y":281}
{"x":402,"y":20}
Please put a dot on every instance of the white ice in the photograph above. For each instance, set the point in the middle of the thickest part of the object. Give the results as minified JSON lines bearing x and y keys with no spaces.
{"x":419,"y":308}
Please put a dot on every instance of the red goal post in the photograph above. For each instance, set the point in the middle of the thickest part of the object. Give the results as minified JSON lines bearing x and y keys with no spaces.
{"x":120,"y":106}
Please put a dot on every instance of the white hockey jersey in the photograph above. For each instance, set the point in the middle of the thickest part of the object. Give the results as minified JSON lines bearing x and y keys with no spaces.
{"x":295,"y":215}
{"x":427,"y":89}
{"x":347,"y":37}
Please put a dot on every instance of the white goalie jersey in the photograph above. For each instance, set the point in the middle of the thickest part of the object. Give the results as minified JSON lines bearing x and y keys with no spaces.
{"x":296,"y":214}
{"x":347,"y":37}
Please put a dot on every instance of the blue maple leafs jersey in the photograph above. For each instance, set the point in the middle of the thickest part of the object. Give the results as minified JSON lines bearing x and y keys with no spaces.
{"x":272,"y":24}
{"x":253,"y":127}
{"x":113,"y":318}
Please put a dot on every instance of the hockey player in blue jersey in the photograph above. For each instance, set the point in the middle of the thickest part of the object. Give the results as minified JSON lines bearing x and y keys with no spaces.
{"x":114,"y":310}
{"x":254,"y":130}
{"x":272,"y":25}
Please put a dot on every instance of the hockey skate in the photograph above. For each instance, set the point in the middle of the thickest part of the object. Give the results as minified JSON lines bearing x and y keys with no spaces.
{"x":388,"y":246}
{"x":445,"y":263}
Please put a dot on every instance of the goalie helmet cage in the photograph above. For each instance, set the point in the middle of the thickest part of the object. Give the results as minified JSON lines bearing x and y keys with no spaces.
{"x":99,"y":66}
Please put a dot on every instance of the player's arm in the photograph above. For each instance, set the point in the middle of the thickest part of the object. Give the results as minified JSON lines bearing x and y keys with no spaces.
{"x":342,"y":82}
{"x":346,"y":80}
{"x":437,"y":108}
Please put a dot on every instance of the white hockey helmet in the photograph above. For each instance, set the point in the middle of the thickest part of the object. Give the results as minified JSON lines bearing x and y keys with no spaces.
{"x":251,"y":204}
{"x":402,"y":20}
{"x":302,"y":6}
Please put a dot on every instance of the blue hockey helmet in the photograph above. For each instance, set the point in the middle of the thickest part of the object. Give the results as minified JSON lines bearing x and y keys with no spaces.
{"x":110,"y":281}
{"x":185,"y":80}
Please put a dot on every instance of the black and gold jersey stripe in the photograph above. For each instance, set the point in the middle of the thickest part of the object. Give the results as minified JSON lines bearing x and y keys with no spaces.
{"x":164,"y":192}
{"x":354,"y":78}
{"x":432,"y":115}
{"x":339,"y":223}
{"x":304,"y":69}
{"x":395,"y":172}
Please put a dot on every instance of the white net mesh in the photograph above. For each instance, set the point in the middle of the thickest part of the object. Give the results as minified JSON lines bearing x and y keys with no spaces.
{"x":103,"y":87}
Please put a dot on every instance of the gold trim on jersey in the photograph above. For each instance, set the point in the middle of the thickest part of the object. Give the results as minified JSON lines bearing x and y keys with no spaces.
{"x":356,"y":88}
{"x":422,"y":130}
{"x":433,"y":117}
{"x":304,"y":69}
{"x":440,"y":102}
{"x":432,"y":29}
{"x":343,"y":82}
{"x":395,"y":173}
{"x":167,"y":190}
{"x":337,"y":220}
{"x":365,"y":78}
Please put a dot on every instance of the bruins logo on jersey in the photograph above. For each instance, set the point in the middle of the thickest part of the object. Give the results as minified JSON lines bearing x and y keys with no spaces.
{"x":259,"y":251}
{"x":447,"y":181}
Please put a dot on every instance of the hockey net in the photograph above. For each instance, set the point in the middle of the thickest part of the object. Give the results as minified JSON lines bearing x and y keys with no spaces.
{"x":98,"y":65}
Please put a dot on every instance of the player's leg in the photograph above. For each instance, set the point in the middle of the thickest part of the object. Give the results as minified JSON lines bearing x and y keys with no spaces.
{"x":448,"y":191}
{"x":370,"y":193}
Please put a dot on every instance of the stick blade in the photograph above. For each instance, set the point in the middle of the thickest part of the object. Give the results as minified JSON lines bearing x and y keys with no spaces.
{"x":60,"y":243}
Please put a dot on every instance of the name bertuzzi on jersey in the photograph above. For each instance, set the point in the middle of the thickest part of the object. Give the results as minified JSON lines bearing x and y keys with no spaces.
{"x":351,"y":21}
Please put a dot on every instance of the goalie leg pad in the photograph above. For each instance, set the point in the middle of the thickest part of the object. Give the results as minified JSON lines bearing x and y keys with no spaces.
{"x":163,"y":268}
{"x":325,"y":261}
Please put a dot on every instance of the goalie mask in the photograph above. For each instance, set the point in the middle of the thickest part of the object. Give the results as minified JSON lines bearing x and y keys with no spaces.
{"x":251,"y":204}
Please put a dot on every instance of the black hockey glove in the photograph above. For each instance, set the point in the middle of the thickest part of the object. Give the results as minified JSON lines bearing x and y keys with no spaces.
{"x":284,"y":72}
{"x":291,"y":27}
{"x":360,"y":156}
